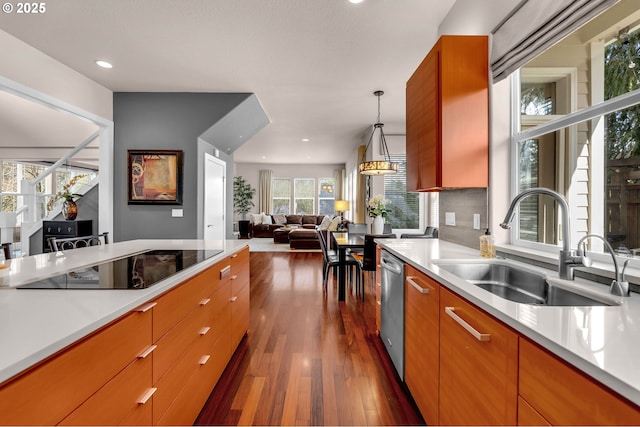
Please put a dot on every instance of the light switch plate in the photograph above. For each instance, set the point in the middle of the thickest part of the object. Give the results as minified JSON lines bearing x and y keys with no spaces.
{"x":450,"y":218}
{"x":476,"y":221}
{"x":177,"y":213}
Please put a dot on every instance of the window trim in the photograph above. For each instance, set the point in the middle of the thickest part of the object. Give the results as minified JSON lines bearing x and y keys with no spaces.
{"x":590,"y":113}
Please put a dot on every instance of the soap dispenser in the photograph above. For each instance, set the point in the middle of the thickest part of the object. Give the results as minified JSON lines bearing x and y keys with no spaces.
{"x":487,"y":245}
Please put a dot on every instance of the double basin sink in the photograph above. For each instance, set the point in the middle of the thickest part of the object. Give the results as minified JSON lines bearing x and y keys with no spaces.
{"x":514,"y":283}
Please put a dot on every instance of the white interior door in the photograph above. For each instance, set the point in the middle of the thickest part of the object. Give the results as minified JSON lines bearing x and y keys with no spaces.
{"x":215,"y":171}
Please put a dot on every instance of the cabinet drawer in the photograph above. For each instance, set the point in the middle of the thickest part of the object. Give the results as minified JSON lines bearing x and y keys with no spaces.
{"x":180,"y":301}
{"x":189,"y":400}
{"x":564,"y":395}
{"x":115,"y":402}
{"x":478,"y":373}
{"x":178,"y":339}
{"x":174,"y":380}
{"x":49,"y":392}
{"x":239,"y":316}
{"x":527,"y":416}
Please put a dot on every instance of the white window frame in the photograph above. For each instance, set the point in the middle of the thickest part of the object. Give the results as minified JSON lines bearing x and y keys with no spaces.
{"x":273,"y":198}
{"x":312,"y":198}
{"x":594,"y":113}
{"x":320,"y":180}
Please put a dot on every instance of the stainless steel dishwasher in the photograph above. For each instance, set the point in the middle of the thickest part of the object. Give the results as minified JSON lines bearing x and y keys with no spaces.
{"x":392,"y":308}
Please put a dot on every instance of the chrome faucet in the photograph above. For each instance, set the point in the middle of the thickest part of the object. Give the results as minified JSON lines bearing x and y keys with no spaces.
{"x":619,"y":286}
{"x":568,"y":257}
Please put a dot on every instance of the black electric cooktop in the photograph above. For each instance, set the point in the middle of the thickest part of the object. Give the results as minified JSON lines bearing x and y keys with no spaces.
{"x":137,"y":271}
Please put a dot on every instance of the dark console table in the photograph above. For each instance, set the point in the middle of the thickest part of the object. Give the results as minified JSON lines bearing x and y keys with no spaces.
{"x":64,"y":229}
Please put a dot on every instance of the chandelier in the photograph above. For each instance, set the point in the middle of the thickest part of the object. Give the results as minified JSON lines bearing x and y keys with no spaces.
{"x":378,"y":167}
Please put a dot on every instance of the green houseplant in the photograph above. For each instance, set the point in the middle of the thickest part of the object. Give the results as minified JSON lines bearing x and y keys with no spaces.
{"x":243,"y":194}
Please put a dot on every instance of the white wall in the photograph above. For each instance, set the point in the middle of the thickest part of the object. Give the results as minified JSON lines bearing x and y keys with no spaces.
{"x":251,"y":173}
{"x":28,"y":66}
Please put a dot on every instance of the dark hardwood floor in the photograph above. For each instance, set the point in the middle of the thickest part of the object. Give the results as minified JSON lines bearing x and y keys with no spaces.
{"x":307,"y":359}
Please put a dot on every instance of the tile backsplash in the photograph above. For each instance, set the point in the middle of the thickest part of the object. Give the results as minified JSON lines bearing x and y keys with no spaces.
{"x":464,"y":203}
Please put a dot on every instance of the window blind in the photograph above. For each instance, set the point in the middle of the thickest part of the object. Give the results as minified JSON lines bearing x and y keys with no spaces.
{"x":536,"y":25}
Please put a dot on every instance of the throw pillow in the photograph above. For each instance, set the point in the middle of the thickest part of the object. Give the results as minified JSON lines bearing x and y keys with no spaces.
{"x":326,"y":222}
{"x":280,"y":219}
{"x":266,"y":219}
{"x":334,"y":223}
{"x":256,"y":218}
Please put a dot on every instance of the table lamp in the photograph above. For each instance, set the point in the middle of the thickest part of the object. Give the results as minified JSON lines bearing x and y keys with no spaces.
{"x":341,"y":206}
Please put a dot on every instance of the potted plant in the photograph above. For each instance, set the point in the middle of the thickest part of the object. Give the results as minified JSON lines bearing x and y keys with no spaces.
{"x":243,"y":194}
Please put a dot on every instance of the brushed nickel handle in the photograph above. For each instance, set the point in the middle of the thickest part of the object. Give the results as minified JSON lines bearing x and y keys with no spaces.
{"x":145,"y":397}
{"x":225,"y":272}
{"x":147,"y":352}
{"x":234,"y":277}
{"x":477,"y":335}
{"x":234,"y":299}
{"x":204,"y":359}
{"x":234,"y":256}
{"x":205,"y":301}
{"x":415,"y":284}
{"x":203,"y":331}
{"x":146,"y":307}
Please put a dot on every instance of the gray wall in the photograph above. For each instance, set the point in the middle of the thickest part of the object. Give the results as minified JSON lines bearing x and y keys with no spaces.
{"x":464,"y":203}
{"x":163,"y":121}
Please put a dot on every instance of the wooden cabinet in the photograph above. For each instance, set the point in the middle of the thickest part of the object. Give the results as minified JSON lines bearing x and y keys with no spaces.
{"x":49,"y":393}
{"x":156,"y":365}
{"x":64,"y":229}
{"x":447,"y":103}
{"x":563,"y":395}
{"x":422,"y":343}
{"x":478,"y":366}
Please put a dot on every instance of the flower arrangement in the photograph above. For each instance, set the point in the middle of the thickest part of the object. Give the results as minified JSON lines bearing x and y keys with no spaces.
{"x":65,"y":193}
{"x":377,"y":206}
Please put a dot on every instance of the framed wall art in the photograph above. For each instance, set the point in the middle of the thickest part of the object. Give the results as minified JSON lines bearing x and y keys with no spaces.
{"x":155,"y":177}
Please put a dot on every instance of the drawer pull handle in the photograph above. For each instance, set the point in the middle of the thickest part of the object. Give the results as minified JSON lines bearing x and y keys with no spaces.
{"x":379,"y":302}
{"x":225,"y":272}
{"x":204,"y":359}
{"x":234,"y":277}
{"x":234,"y":256}
{"x":204,"y":330}
{"x":146,"y":307}
{"x":417,"y":286}
{"x":477,"y":335}
{"x":205,"y":301}
{"x":145,"y":398}
{"x":234,"y":299}
{"x":147,"y":352}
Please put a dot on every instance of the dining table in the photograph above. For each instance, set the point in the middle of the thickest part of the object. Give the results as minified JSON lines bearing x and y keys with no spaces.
{"x":341,"y":241}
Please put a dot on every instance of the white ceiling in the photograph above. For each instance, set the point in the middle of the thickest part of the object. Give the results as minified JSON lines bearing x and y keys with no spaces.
{"x":313,"y":64}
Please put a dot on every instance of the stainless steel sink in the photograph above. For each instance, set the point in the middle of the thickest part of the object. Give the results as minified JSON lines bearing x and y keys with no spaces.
{"x":517,"y":284}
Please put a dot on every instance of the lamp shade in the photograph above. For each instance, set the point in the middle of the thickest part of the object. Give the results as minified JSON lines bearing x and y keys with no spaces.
{"x":341,"y":205}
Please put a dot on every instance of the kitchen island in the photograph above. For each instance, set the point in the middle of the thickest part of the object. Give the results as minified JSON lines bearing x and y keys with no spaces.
{"x":41,"y":327}
{"x":599,"y":341}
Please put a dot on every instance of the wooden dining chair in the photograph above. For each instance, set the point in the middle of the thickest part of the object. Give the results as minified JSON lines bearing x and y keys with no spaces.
{"x":56,"y":244}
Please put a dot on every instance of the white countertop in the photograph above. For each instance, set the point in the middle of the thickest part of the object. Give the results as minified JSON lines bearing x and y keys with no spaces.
{"x":35,"y":324}
{"x":602,"y":341}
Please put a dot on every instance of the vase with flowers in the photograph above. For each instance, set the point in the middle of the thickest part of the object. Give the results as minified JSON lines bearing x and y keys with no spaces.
{"x":377,"y":209}
{"x":69,"y":206}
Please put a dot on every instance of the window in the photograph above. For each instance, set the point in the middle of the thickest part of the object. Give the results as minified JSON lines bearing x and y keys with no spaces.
{"x":304,"y":190}
{"x":281,"y":190}
{"x":326,"y":196}
{"x":405,"y":207}
{"x":578,"y":117}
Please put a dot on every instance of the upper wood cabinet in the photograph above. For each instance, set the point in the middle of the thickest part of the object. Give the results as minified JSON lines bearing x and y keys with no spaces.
{"x":448,"y":117}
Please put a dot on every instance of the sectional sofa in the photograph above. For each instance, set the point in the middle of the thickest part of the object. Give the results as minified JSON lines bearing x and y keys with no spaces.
{"x":262,"y":225}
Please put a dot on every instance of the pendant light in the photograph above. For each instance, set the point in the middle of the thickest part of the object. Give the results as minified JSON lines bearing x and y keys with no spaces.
{"x":378,"y":167}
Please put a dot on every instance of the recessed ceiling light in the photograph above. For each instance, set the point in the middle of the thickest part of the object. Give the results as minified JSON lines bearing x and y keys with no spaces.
{"x":263,"y":157}
{"x":305,"y":139}
{"x":355,"y":1}
{"x":103,"y":64}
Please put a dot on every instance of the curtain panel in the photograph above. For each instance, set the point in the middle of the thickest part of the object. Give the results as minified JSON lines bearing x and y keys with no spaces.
{"x":536,"y":25}
{"x":264,"y":191}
